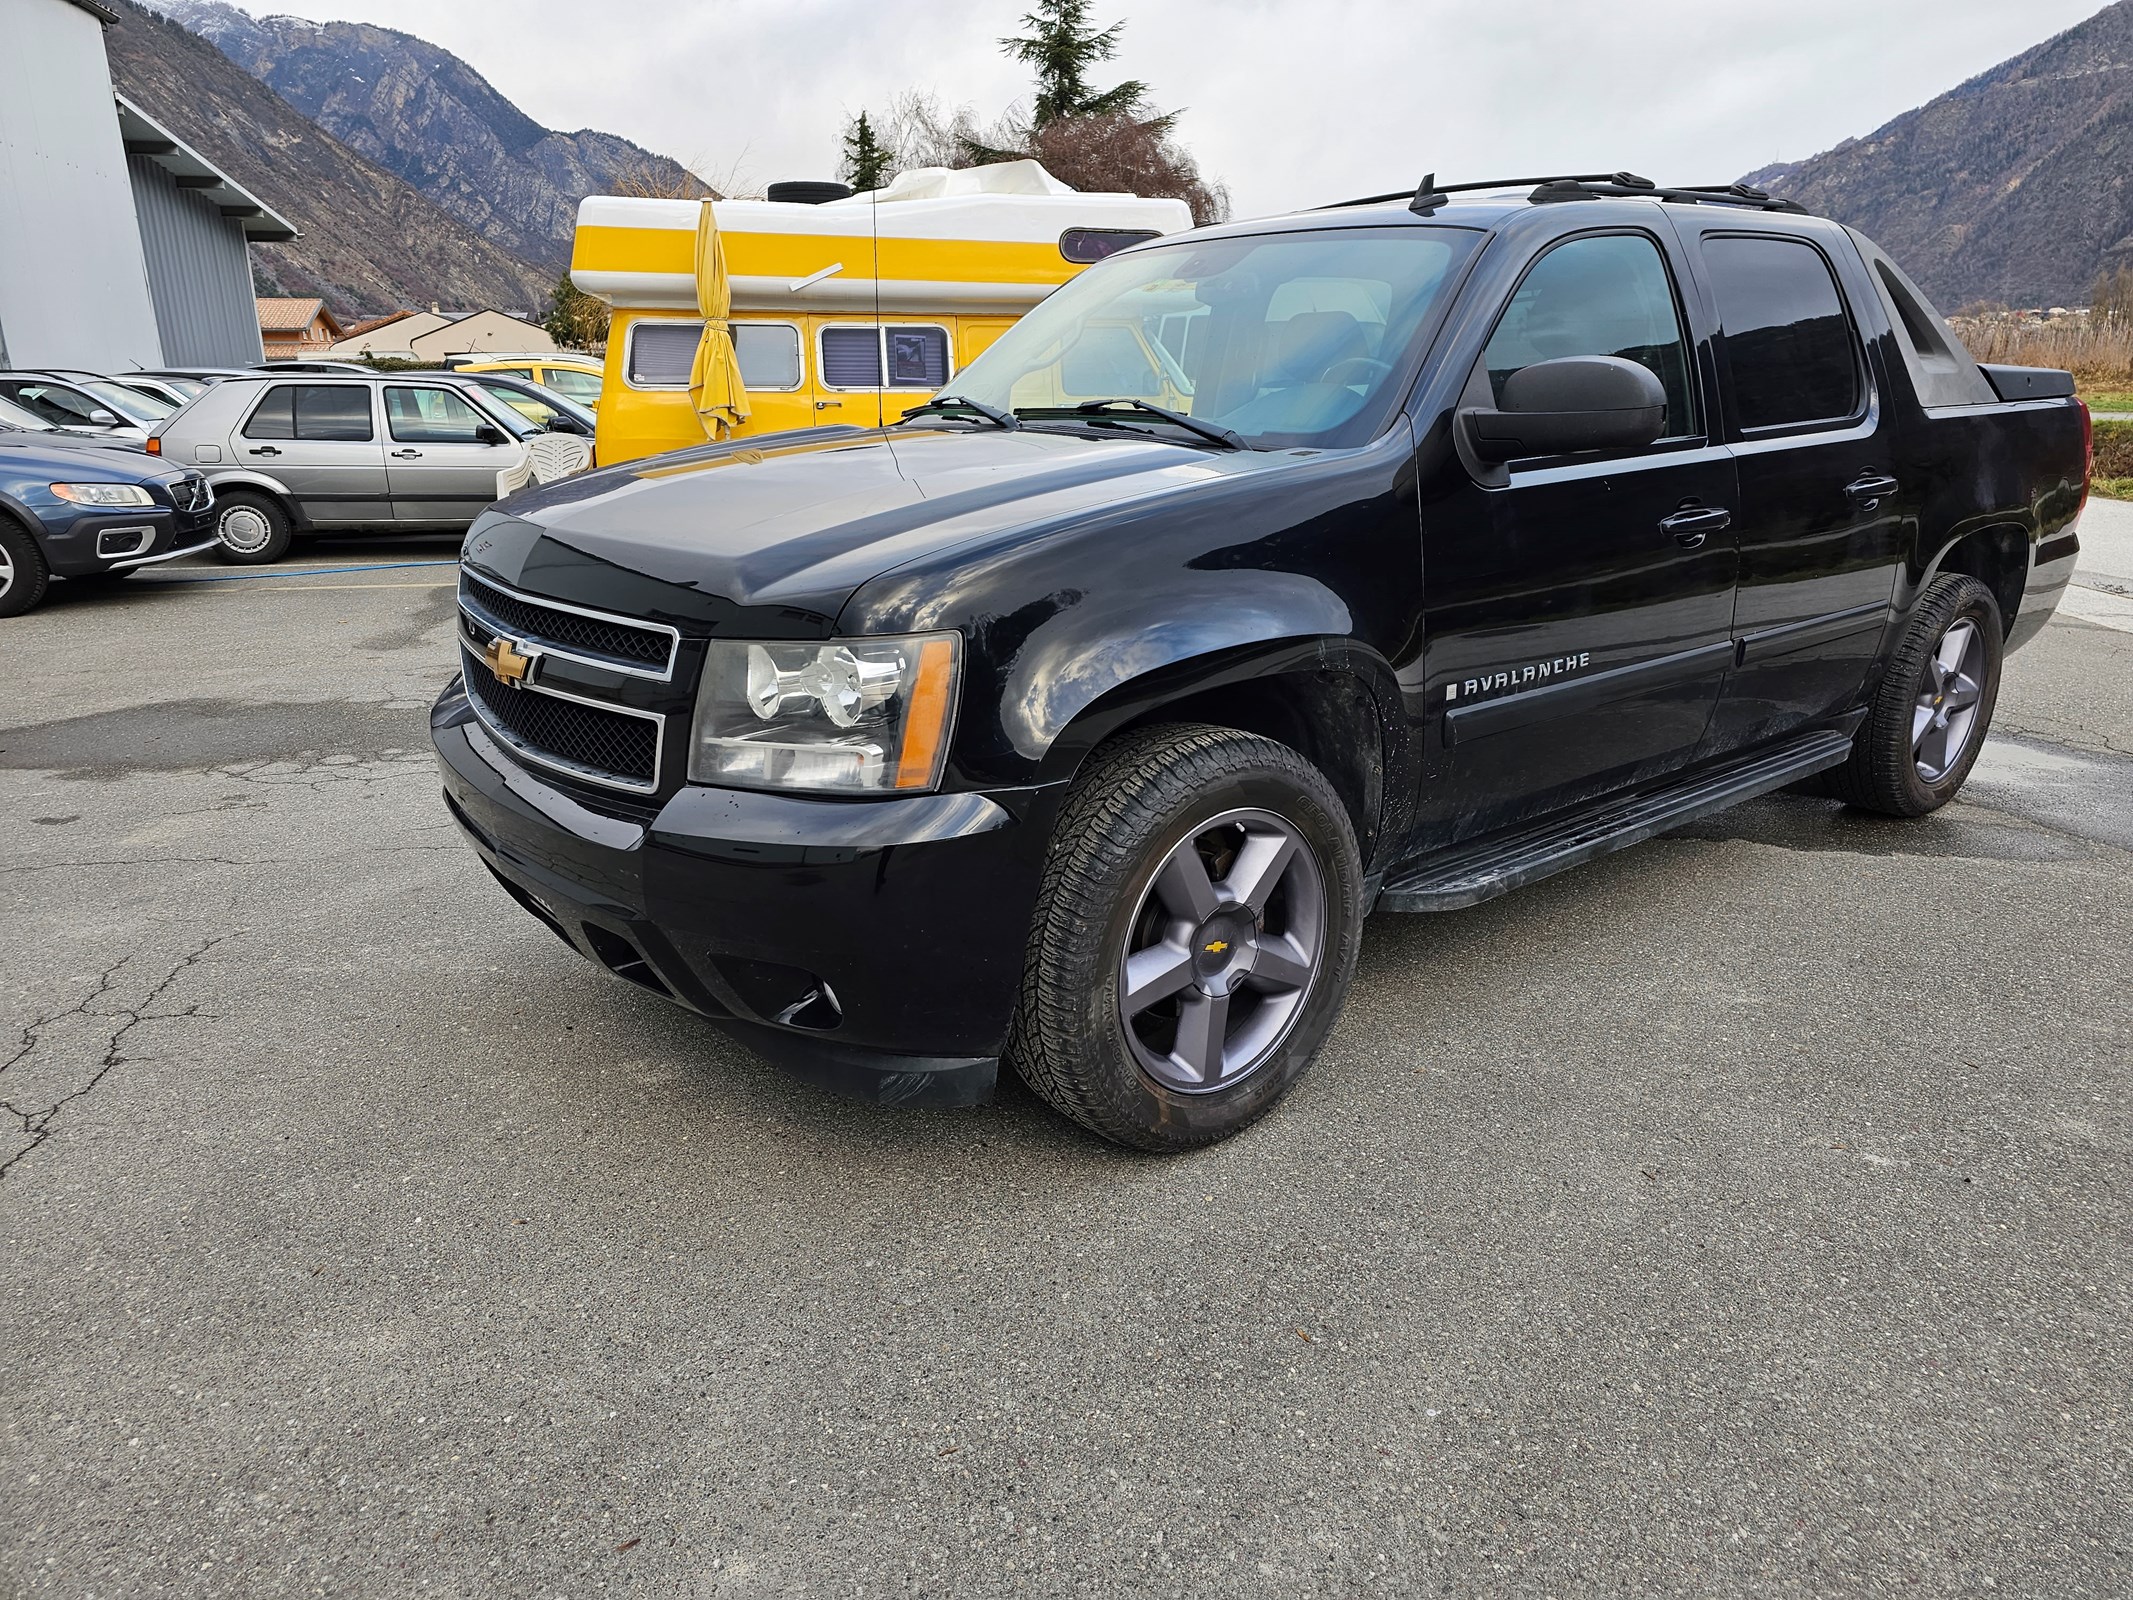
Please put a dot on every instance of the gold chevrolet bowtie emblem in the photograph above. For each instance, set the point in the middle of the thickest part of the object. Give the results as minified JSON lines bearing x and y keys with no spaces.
{"x":507,"y":661}
{"x":1215,"y":947}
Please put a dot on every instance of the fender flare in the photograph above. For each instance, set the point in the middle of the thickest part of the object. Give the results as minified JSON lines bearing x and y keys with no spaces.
{"x":1333,"y":697}
{"x":1084,"y":653}
{"x":253,"y":478}
{"x":2009,"y":531}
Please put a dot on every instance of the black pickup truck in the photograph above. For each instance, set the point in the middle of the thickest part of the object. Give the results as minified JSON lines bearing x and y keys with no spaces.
{"x":1388,"y":556}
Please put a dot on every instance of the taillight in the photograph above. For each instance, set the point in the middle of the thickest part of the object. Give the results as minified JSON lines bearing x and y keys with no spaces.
{"x":154,"y":446}
{"x":2088,"y":451}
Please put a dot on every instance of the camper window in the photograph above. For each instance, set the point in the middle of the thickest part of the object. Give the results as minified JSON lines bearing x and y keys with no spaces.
{"x":769,"y":353}
{"x":914,"y":356}
{"x":661,"y":353}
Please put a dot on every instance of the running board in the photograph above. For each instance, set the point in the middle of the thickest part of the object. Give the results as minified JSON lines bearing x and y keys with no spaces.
{"x":1468,"y":874}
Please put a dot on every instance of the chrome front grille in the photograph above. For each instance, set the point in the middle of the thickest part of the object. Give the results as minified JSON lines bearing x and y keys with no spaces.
{"x":566,"y":711}
{"x":598,"y":638}
{"x":191,"y":493}
{"x":603,"y":744}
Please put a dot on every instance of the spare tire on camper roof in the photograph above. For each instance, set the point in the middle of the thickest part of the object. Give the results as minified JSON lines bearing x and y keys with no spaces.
{"x":808,"y":192}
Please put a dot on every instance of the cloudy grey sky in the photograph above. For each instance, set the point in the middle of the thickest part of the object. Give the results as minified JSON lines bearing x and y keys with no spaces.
{"x":1290,"y":102}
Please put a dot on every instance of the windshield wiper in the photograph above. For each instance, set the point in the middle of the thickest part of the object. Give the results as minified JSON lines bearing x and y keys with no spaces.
{"x":953,"y":403}
{"x":1214,"y":433}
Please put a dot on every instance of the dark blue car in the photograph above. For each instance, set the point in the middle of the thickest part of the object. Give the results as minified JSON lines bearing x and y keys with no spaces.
{"x":71,"y":507}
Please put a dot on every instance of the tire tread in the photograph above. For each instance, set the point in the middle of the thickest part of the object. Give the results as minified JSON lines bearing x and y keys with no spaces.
{"x":1139,"y":778}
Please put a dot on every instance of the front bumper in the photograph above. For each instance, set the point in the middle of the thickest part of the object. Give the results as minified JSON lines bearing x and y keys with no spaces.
{"x":116,"y":540}
{"x":872,"y":946}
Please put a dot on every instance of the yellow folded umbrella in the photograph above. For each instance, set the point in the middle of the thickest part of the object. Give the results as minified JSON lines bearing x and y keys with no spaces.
{"x":715,"y":387}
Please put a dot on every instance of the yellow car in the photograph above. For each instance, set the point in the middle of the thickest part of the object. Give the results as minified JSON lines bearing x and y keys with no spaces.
{"x":573,"y":377}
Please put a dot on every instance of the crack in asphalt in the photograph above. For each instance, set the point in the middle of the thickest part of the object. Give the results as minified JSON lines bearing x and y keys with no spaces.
{"x":36,"y":1123}
{"x":367,"y":851}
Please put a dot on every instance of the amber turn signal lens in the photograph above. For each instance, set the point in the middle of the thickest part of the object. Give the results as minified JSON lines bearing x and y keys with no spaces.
{"x":154,"y":446}
{"x":926,"y":725}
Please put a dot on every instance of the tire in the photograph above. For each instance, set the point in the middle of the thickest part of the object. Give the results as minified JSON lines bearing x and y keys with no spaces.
{"x":253,"y":528}
{"x":1927,"y":720}
{"x":24,"y":576}
{"x":1271,"y":965}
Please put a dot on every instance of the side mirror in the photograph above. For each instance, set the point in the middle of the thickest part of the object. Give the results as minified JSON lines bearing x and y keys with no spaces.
{"x":490,"y":433}
{"x":105,"y":419}
{"x":1572,"y":403}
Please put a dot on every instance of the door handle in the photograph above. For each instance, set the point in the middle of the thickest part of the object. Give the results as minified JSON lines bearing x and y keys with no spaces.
{"x":265,"y":450}
{"x":824,"y":405}
{"x":1691,"y":525}
{"x":407,"y":455}
{"x":1869,"y":489}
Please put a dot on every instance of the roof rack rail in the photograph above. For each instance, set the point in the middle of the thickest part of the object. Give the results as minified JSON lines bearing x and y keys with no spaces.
{"x":1430,"y":194}
{"x":1430,"y":186}
{"x":1730,"y":194}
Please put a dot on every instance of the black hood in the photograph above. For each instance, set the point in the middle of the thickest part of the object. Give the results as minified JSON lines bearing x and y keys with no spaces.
{"x":793,"y":524}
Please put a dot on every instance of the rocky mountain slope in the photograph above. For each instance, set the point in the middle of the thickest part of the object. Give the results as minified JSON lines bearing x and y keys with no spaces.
{"x":2011,"y":188}
{"x":370,"y":243}
{"x":422,"y":113}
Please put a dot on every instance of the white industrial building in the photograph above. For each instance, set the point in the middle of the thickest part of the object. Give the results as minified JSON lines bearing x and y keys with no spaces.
{"x":123,"y":248}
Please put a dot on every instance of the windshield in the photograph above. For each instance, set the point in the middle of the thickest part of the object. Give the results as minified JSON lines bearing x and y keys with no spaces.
{"x":505,"y":416}
{"x":1286,"y":339}
{"x":129,"y":402}
{"x":13,"y":416}
{"x":536,"y":404}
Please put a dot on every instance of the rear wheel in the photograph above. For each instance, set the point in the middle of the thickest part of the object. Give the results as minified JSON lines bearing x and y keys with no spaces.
{"x":1929,"y":717}
{"x":23,"y":573}
{"x":253,"y":528}
{"x":1193,"y":940}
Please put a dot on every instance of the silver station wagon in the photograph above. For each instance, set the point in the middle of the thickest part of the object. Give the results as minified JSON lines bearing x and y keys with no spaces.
{"x":297,"y":453}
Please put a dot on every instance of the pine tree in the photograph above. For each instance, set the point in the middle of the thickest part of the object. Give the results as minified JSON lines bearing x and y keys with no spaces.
{"x":1063,"y":47}
{"x":868,"y":163}
{"x":575,"y":319}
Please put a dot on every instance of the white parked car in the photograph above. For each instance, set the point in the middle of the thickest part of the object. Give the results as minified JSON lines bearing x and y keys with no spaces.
{"x":411,"y":452}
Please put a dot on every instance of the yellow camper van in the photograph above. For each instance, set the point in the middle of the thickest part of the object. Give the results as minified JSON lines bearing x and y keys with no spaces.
{"x":752,"y":316}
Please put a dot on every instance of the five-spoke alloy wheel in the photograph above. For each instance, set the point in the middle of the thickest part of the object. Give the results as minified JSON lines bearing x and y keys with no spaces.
{"x":1927,"y":720}
{"x":1224,"y":948}
{"x":1194,"y":936}
{"x":1948,"y":700}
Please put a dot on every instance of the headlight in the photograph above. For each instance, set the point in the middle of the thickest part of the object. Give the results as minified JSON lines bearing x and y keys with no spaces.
{"x":852,"y":716}
{"x":104,"y":494}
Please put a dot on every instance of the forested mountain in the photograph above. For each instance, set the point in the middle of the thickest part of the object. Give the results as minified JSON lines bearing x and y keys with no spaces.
{"x":370,"y":242}
{"x":2012,"y":188}
{"x":426,"y":116}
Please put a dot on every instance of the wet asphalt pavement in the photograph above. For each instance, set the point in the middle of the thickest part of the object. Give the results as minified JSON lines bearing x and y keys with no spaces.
{"x":1746,"y":1214}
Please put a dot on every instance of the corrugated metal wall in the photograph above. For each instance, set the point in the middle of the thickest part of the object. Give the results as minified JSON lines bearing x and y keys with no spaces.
{"x":199,"y":273}
{"x":72,"y":291}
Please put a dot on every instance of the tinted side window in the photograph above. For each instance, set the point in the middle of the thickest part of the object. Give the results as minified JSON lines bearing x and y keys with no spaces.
{"x":333,"y":411}
{"x":432,"y":416}
{"x":769,"y":354}
{"x":275,"y":417}
{"x":1788,"y":342}
{"x":1604,"y":295}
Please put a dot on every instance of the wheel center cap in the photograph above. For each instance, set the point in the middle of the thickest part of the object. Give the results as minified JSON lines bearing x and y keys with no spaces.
{"x":1222,"y":942}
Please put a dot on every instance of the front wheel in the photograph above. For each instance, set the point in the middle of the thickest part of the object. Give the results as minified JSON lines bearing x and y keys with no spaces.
{"x":1194,"y":937}
{"x":252,"y":528}
{"x":23,"y":573}
{"x":1928,"y":718}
